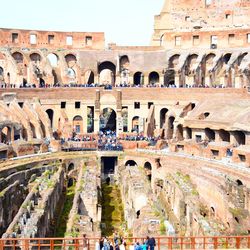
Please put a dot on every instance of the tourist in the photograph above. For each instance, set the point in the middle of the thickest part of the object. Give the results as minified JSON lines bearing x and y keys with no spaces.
{"x":85,"y":242}
{"x":151,"y":243}
{"x":106,"y":245}
{"x":137,"y":246}
{"x":144,"y":245}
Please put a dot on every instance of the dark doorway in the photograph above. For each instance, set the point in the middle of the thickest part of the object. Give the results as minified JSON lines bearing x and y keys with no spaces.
{"x":108,"y":164}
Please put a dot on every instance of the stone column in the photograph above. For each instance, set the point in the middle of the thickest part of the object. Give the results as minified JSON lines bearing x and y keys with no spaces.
{"x":12,"y":135}
{"x":85,"y":119}
{"x":177,"y":80}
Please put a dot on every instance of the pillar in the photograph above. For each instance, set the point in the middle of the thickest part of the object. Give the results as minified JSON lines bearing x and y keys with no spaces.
{"x":177,"y":80}
{"x":12,"y":134}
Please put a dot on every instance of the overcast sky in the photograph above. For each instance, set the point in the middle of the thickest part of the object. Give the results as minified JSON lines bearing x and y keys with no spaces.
{"x":125,"y":22}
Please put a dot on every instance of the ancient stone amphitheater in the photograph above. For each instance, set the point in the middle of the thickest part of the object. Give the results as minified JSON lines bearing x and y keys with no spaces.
{"x":151,"y":140}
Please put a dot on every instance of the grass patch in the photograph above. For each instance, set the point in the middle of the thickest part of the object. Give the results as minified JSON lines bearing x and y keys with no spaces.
{"x":112,"y":209}
{"x":62,"y":224}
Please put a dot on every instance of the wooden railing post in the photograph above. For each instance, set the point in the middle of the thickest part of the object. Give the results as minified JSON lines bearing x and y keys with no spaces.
{"x":238,"y":239}
{"x":170,"y":243}
{"x":51,"y":244}
{"x":159,"y":243}
{"x":193,"y":242}
{"x":26,"y":244}
{"x":215,"y":242}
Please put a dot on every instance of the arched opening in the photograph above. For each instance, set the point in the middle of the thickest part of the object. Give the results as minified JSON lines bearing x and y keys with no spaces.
{"x":239,"y":182}
{"x":125,"y":119}
{"x":179,"y":133}
{"x":138,"y":79}
{"x":90,"y":119}
{"x":18,"y":57}
{"x":169,"y":78}
{"x":153,"y":78}
{"x":170,"y":127}
{"x":53,"y":59}
{"x":173,"y":61}
{"x":70,"y":60}
{"x":163,"y":113}
{"x":191,"y":63}
{"x":135,"y":124}
{"x":138,"y":213}
{"x":78,"y":124}
{"x":131,"y":163}
{"x":89,"y":77}
{"x":41,"y":83}
{"x":108,"y":120}
{"x":6,"y":135}
{"x":71,"y":166}
{"x":189,"y":133}
{"x":210,"y":134}
{"x":33,"y":130}
{"x":227,"y":57}
{"x":71,"y":182}
{"x":124,"y":62}
{"x":148,"y":169}
{"x":35,"y":57}
{"x":24,"y":134}
{"x":107,"y":72}
{"x":50,"y":113}
{"x":224,"y":135}
{"x":124,"y":69}
{"x":240,"y":137}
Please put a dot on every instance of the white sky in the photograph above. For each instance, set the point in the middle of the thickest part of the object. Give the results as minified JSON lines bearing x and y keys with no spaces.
{"x":125,"y":22}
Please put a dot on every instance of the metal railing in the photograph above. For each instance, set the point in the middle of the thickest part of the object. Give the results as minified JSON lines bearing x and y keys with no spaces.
{"x":216,"y":242}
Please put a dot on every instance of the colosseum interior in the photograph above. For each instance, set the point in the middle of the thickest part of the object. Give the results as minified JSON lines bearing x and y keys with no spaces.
{"x":140,"y":140}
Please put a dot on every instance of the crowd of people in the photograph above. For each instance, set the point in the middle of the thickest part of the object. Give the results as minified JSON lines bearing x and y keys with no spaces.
{"x":108,"y":141}
{"x":106,"y":86}
{"x":119,"y":243}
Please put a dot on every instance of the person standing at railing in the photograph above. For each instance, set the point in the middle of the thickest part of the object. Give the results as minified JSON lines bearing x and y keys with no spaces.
{"x":85,"y":242}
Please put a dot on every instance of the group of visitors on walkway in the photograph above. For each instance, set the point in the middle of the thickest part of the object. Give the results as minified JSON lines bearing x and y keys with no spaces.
{"x":108,"y":141}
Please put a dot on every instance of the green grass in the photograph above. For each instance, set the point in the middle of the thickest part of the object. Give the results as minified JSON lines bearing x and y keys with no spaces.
{"x":62,"y":224}
{"x":112,"y":209}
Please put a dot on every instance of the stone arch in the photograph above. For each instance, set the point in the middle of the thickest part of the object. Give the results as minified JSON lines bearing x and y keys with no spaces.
{"x":131,"y":163}
{"x":107,"y":73}
{"x":70,"y":60}
{"x":226,"y":57}
{"x":124,"y":62}
{"x":1,"y":75}
{"x":224,"y":135}
{"x":188,"y":133}
{"x":163,"y":113}
{"x":71,"y":166}
{"x":53,"y":59}
{"x":6,"y":134}
{"x":71,"y":182}
{"x":148,"y":169}
{"x":173,"y":61}
{"x":239,"y":182}
{"x":209,"y":60}
{"x":35,"y":57}
{"x":191,"y":61}
{"x":170,"y":131}
{"x":210,"y":134}
{"x":153,"y":78}
{"x":135,"y":124}
{"x":108,"y":119}
{"x":240,"y":137}
{"x":50,"y":114}
{"x":179,"y":132}
{"x":18,"y":57}
{"x":138,"y":79}
{"x":78,"y":124}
